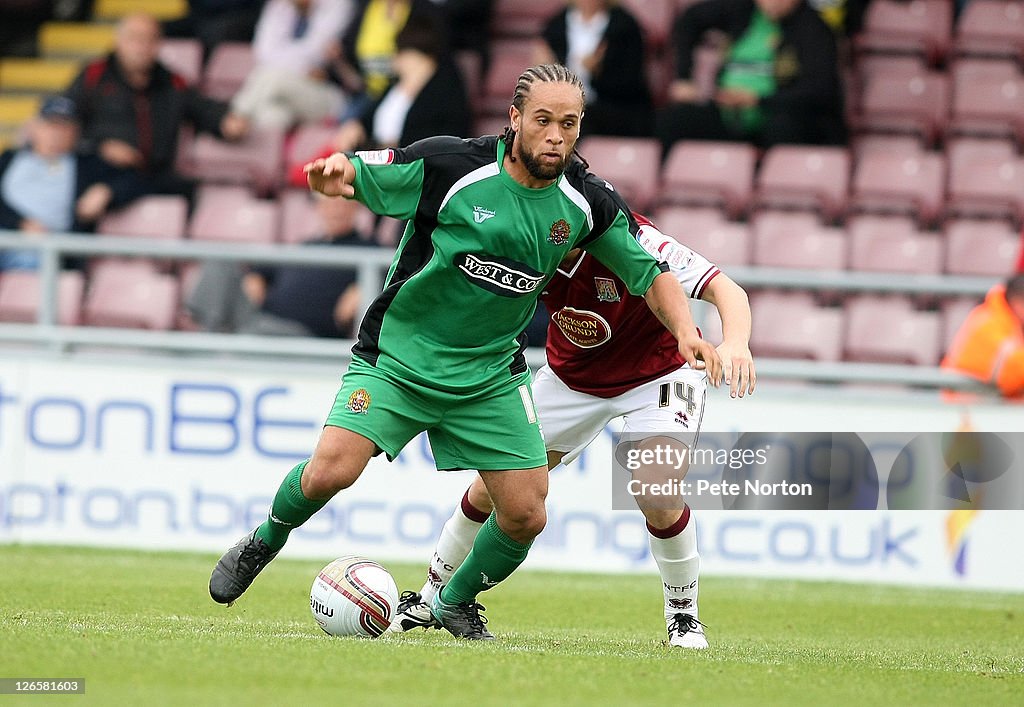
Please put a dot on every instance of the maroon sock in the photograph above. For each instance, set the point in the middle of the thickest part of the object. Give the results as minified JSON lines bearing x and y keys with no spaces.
{"x":475,"y":514}
{"x":663,"y":533}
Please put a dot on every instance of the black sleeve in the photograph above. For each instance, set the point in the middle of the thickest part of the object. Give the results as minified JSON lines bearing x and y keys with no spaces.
{"x":622,"y":73}
{"x":9,"y":218}
{"x":125,"y":185}
{"x":817,"y":84}
{"x":441,"y":108}
{"x":205,"y":113}
{"x":690,"y":27}
{"x":78,"y":93}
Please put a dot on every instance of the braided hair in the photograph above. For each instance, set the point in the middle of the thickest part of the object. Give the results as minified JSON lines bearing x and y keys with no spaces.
{"x":543,"y":73}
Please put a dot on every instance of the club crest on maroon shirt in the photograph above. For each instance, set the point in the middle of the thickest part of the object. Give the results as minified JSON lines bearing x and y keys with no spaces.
{"x":606,"y":290}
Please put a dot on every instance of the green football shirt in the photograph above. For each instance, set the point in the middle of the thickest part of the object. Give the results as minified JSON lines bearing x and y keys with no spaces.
{"x":476,"y":253}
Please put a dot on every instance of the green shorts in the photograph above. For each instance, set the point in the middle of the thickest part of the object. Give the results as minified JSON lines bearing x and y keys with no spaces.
{"x":496,"y":430}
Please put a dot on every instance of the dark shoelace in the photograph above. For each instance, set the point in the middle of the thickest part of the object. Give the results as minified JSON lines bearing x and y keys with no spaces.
{"x":473,"y":615}
{"x":684,"y":623}
{"x":253,"y":555}
{"x":407,"y":599}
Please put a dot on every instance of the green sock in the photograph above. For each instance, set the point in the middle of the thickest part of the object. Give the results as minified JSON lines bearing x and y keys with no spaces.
{"x":493,"y":558}
{"x":289,"y":510}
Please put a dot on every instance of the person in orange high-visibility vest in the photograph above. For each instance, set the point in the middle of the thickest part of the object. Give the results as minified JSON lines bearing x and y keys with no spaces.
{"x":990,"y":343}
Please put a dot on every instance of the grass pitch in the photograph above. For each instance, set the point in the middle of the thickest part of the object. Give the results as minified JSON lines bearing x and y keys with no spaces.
{"x":141,"y":629}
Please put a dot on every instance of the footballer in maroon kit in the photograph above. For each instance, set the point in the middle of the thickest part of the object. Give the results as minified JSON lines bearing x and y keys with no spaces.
{"x":608,"y":356}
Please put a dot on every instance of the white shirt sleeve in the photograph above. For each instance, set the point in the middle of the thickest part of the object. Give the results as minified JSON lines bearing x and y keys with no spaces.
{"x":692,"y":269}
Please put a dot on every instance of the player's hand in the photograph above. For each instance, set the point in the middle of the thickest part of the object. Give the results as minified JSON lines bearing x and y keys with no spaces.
{"x":332,"y":176}
{"x":702,"y":356}
{"x":738,"y":366}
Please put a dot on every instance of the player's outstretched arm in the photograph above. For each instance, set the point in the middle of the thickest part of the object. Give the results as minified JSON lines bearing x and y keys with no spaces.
{"x":734,"y":309}
{"x":667,"y":300}
{"x":332,"y":175}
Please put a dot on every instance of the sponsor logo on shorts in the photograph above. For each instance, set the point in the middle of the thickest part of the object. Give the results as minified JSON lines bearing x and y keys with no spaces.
{"x":584,"y":328}
{"x":606,"y":290}
{"x":359,"y":402}
{"x":560,"y":231}
{"x":480,"y":214}
{"x":498,"y":275}
{"x":376,"y":156}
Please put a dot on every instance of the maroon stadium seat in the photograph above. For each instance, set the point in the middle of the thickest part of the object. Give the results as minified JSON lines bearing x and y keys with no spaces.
{"x":791,"y":325}
{"x":229,"y":64}
{"x":988,"y":186}
{"x":299,"y":220}
{"x":802,"y":176}
{"x":655,"y":17}
{"x":19,"y":297}
{"x":710,"y":173}
{"x":509,"y":58}
{"x":160,"y":217}
{"x":868,"y":143}
{"x":887,"y":329}
{"x":981,"y":248}
{"x":965,"y":149}
{"x":916,"y":104}
{"x":632,"y":165}
{"x":891,"y":182}
{"x":131,"y":297}
{"x":246,"y":221}
{"x":989,"y":105}
{"x":893,"y":244}
{"x":520,"y":18}
{"x":991,"y":28}
{"x":257,"y":159}
{"x":797,"y":240}
{"x":705,"y":231}
{"x":954,"y":312}
{"x":901,"y":26}
{"x":184,"y":57}
{"x":307,"y":142}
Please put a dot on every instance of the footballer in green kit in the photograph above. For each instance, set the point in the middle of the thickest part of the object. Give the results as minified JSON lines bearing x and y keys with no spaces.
{"x":441,"y":348}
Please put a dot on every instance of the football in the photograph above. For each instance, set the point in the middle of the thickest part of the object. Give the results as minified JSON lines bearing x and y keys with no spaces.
{"x":353,"y":596}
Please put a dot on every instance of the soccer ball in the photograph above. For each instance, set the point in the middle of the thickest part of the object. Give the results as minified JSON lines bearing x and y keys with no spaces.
{"x":353,"y":596}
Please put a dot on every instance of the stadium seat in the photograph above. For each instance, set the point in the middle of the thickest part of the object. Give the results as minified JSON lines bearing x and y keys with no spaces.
{"x":797,"y":240}
{"x":990,"y":28}
{"x":893,"y":244}
{"x":964,"y":149}
{"x":520,"y":18}
{"x":508,"y":60}
{"x":75,"y":39}
{"x":900,"y":26}
{"x":131,"y":297}
{"x":710,"y":173}
{"x":631,"y":165}
{"x":37,"y":75}
{"x":887,"y":329}
{"x":257,"y":159}
{"x":246,"y":221}
{"x":870,"y":65}
{"x":954,"y":313}
{"x":307,"y":142}
{"x":470,"y":66}
{"x":895,"y":183}
{"x":655,"y":18}
{"x":987,"y":248}
{"x":300,"y":220}
{"x":160,"y":9}
{"x":917,"y":104}
{"x":490,"y":124}
{"x":706,"y":231}
{"x":791,"y":325}
{"x":184,"y":57}
{"x":228,"y":65}
{"x":990,"y":105}
{"x":161,"y":217}
{"x":20,"y":297}
{"x":801,"y":176}
{"x":987,"y":186}
{"x":868,"y":143}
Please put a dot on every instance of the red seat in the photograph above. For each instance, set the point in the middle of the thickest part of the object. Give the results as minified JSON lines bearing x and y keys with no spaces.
{"x":705,"y":231}
{"x":897,"y":26}
{"x":801,"y":176}
{"x":965,"y":149}
{"x":954,"y":313}
{"x":893,"y":244}
{"x":870,"y":65}
{"x":987,"y":186}
{"x":509,"y":59}
{"x":132,"y":297}
{"x":989,"y":105}
{"x":981,"y":248}
{"x":917,"y":104}
{"x":791,"y":325}
{"x":520,"y":18}
{"x":655,"y":18}
{"x":797,"y":240}
{"x":184,"y":57}
{"x":299,"y":220}
{"x":161,"y":217}
{"x":887,"y":329}
{"x":710,"y":173}
{"x":307,"y":143}
{"x":991,"y":28}
{"x":247,"y":221}
{"x":490,"y":125}
{"x":20,"y":297}
{"x":631,"y":165}
{"x":869,"y":143}
{"x":257,"y":159}
{"x":888,"y":182}
{"x":471,"y":69}
{"x":227,"y":68}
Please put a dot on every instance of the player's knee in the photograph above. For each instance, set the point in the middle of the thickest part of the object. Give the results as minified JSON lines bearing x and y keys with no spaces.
{"x":328,"y":472}
{"x":524,"y":523}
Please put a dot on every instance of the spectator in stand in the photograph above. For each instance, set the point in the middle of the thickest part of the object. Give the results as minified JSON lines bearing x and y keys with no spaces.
{"x":845,"y":17}
{"x":131,"y":108}
{"x":289,"y":83}
{"x":215,"y":21}
{"x":427,"y":99}
{"x":362,"y":62}
{"x":990,"y":344}
{"x":286,"y":300}
{"x":468,"y":26}
{"x":779,"y":81}
{"x":604,"y":45}
{"x":46,"y":187}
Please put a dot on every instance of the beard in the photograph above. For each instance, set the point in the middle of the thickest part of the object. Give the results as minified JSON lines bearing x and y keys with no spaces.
{"x":542,"y":171}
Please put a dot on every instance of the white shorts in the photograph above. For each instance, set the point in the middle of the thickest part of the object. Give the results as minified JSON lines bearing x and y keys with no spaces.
{"x":570,"y":420}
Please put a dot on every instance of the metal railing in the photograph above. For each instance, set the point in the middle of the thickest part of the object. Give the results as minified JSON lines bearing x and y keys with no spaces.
{"x":371,"y":264}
